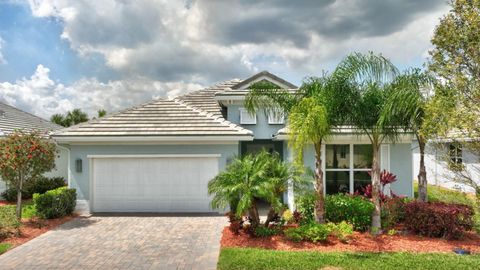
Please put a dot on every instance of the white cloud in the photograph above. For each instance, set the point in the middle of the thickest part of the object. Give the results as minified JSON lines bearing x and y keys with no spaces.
{"x":40,"y":95}
{"x":2,"y":58}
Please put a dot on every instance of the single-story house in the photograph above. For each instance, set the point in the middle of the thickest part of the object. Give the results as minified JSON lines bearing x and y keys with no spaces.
{"x":159,"y":156}
{"x":12,"y":119}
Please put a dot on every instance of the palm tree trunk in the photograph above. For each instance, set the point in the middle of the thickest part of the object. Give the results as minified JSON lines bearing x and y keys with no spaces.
{"x":270,"y":216}
{"x":422,"y":174}
{"x":253,"y":212}
{"x":376,"y":215}
{"x":320,"y":201}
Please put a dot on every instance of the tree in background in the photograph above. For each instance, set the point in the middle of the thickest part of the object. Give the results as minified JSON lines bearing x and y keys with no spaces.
{"x":71,"y":118}
{"x":454,"y":112}
{"x":408,"y":103}
{"x":369,"y":79}
{"x":313,"y":110}
{"x":23,"y":158}
{"x":101,"y":113}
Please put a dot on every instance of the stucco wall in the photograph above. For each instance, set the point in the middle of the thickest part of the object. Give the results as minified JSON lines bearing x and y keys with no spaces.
{"x":81,"y":181}
{"x":438,"y":172}
{"x":261,"y":130}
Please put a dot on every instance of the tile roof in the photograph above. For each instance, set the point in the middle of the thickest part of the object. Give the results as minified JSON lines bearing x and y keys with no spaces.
{"x":12,"y":119}
{"x":205,"y":99}
{"x":160,"y":117}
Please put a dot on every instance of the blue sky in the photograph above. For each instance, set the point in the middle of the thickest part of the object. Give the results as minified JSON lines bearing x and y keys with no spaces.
{"x":57,"y":55}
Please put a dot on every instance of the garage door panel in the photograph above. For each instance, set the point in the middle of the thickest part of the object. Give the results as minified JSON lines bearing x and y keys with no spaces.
{"x":152,"y":184}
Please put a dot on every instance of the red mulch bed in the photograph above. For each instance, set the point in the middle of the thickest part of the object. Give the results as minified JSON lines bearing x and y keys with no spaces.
{"x":34,"y":227}
{"x":360,"y":242}
{"x":3,"y":202}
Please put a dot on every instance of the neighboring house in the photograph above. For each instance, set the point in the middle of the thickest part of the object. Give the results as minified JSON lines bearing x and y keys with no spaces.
{"x":443,"y":161}
{"x":159,"y":156}
{"x":12,"y":119}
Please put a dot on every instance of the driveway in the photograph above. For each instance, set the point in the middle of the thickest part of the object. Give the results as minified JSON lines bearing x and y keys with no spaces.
{"x":123,"y":242}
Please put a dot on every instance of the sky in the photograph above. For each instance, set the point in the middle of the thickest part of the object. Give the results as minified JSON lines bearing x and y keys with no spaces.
{"x":57,"y":55}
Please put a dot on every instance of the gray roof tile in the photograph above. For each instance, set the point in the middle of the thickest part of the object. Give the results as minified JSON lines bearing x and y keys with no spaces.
{"x":12,"y":119}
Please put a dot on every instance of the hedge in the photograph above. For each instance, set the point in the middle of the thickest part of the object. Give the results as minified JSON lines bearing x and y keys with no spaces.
{"x":55,"y":203}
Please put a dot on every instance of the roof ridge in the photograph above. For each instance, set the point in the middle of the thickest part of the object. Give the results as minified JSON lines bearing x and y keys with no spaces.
{"x":219,"y":119}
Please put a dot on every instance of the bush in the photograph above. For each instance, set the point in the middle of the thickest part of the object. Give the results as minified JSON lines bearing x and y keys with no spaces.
{"x":393,"y":212}
{"x":288,"y":217}
{"x":310,"y":232}
{"x":266,"y":231}
{"x":8,"y":221}
{"x":55,"y":203}
{"x":306,"y":207}
{"x":40,"y":185}
{"x":355,"y":210}
{"x":438,"y":219}
{"x":343,"y":230}
{"x":441,"y":194}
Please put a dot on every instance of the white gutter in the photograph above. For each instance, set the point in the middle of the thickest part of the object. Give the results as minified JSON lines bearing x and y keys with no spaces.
{"x":71,"y":139}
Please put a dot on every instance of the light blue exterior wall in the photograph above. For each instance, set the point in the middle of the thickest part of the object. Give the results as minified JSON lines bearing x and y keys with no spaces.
{"x":400,"y":165}
{"x":81,"y":181}
{"x":261,"y":130}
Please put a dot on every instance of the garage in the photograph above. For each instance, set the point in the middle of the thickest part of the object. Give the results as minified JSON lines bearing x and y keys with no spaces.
{"x":151,"y":183}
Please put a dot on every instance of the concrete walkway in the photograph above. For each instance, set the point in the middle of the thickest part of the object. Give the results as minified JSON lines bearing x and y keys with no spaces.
{"x":123,"y":242}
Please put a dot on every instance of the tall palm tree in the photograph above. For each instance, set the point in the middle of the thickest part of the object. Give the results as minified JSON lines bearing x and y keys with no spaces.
{"x":408,"y":104}
{"x":77,"y":116}
{"x":368,"y":78}
{"x":58,"y":119}
{"x":312,"y":113}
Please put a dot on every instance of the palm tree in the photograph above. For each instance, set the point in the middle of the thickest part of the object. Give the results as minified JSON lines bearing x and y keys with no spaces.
{"x":243,"y":181}
{"x":101,"y":113}
{"x":76,"y":116}
{"x":312,"y":113}
{"x":369,"y":78}
{"x":408,"y":104}
{"x":58,"y":119}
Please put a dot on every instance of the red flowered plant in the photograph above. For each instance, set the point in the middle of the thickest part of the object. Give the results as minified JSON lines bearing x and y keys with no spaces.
{"x":386,"y":178}
{"x":24,"y":157}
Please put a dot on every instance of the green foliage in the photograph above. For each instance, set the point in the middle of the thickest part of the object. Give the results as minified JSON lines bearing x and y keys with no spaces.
{"x":266,"y":231}
{"x":8,"y":221}
{"x":71,"y":118}
{"x":309,"y":232}
{"x":55,"y":203}
{"x":260,"y":176}
{"x":287,"y":216}
{"x":342,"y":231}
{"x":4,"y":247}
{"x":393,"y":212}
{"x":261,"y":259}
{"x":305,"y":204}
{"x":476,"y":222}
{"x":355,"y":210}
{"x":38,"y":185}
{"x":101,"y":113}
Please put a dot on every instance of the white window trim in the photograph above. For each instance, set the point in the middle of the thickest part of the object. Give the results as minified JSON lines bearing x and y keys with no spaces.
{"x":243,"y":121}
{"x":456,"y":156}
{"x":279,"y":120}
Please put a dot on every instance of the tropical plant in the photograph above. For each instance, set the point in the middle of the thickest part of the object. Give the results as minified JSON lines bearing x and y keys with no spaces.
{"x":23,"y":158}
{"x":261,"y":176}
{"x":101,"y":113}
{"x":369,"y":79}
{"x":73,"y":117}
{"x":408,"y":104}
{"x":313,"y":110}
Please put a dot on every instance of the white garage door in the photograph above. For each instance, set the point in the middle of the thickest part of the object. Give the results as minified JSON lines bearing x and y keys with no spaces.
{"x":152,"y":183}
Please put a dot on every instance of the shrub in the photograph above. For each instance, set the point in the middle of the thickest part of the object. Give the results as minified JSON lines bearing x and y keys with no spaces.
{"x":55,"y":203}
{"x":355,"y":210}
{"x":236,"y":223}
{"x":288,"y":217}
{"x":39,"y":185}
{"x":306,"y":207}
{"x":309,"y":232}
{"x":266,"y":231}
{"x":8,"y":221}
{"x":393,"y":212}
{"x":343,"y":230}
{"x":438,"y":219}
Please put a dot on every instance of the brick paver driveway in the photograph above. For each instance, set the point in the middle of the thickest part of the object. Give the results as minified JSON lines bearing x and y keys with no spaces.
{"x":123,"y":242}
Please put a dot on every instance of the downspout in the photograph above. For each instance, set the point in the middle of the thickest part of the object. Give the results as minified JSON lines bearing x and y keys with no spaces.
{"x":68,"y":167}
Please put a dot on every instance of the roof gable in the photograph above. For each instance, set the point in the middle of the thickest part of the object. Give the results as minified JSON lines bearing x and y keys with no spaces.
{"x":264,"y":76}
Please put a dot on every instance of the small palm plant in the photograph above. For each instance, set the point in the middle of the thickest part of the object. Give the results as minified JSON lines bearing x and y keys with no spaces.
{"x":261,"y":176}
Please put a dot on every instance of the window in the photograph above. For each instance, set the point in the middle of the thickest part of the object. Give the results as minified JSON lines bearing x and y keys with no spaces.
{"x":246,"y":118}
{"x":347,"y":167}
{"x":455,"y":153}
{"x":276,"y":118}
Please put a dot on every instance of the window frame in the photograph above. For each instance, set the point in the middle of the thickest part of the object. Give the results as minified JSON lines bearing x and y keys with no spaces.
{"x":455,"y":153}
{"x":271,"y":118}
{"x":253,"y":118}
{"x":351,"y":169}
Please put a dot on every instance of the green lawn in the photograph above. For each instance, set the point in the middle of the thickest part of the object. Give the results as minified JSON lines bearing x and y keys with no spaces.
{"x":251,"y":259}
{"x":4,"y":247}
{"x":28,"y":209}
{"x":440,"y":194}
